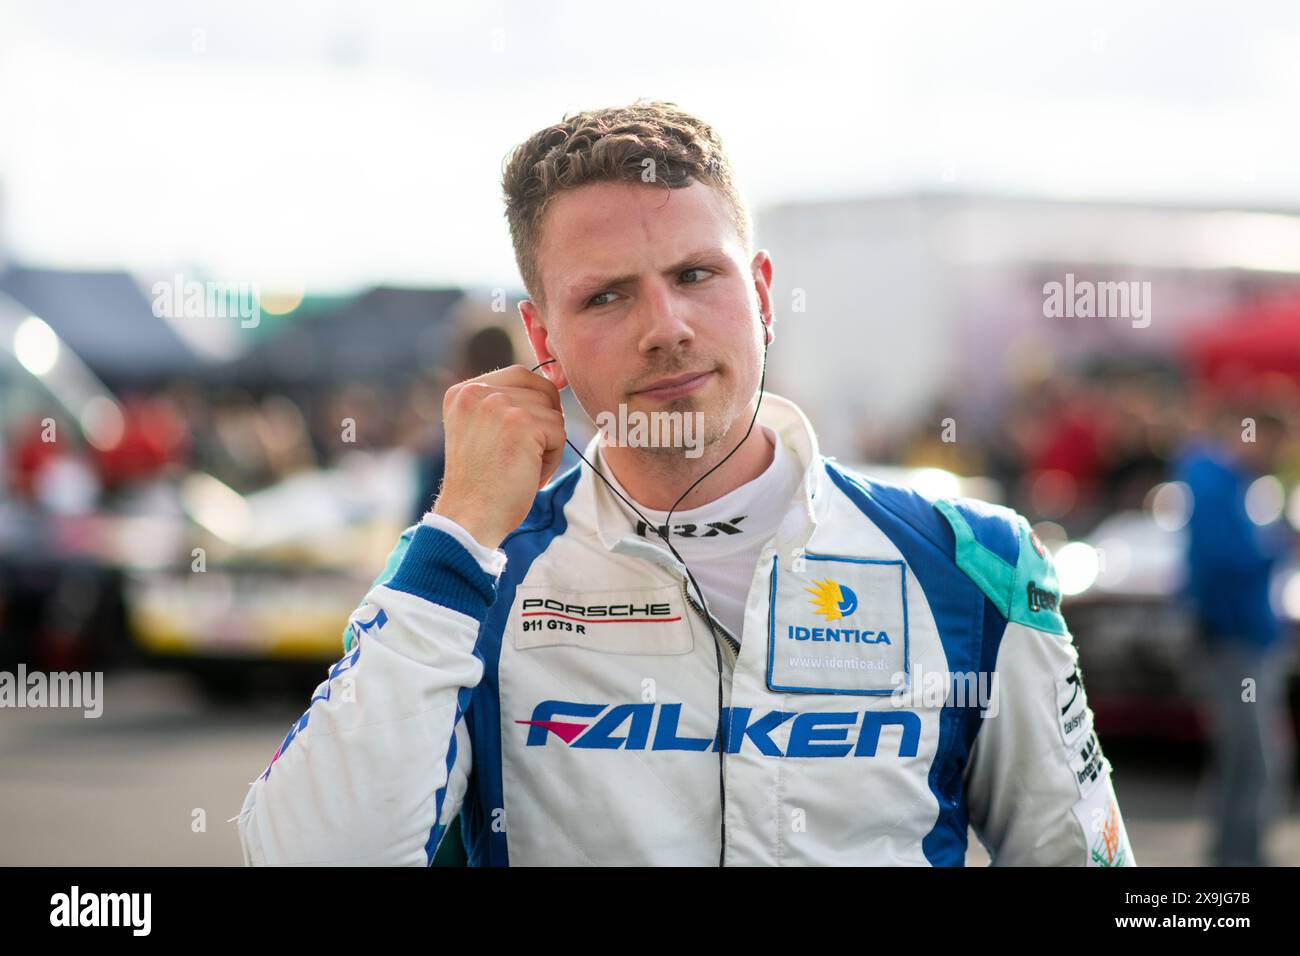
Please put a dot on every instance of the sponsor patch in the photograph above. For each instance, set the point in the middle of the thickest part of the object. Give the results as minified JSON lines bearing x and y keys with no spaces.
{"x":618,"y":621}
{"x":1103,"y":830}
{"x":837,"y":626}
{"x":1072,"y":706}
{"x":1088,"y":764}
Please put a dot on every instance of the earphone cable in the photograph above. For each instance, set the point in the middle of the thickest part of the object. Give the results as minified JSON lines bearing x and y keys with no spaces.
{"x":665,"y":534}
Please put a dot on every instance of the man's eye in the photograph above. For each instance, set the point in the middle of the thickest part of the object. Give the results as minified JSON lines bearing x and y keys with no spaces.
{"x":594,"y":301}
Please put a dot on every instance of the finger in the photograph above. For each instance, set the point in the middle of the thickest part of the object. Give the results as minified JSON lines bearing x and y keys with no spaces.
{"x":552,"y":458}
{"x":545,"y":425}
{"x":512,"y":395}
{"x":519,"y":376}
{"x":552,"y":425}
{"x":553,"y":443}
{"x":550,"y":465}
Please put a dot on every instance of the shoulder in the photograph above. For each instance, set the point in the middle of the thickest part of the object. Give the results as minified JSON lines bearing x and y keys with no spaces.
{"x":998,"y":549}
{"x":899,"y":511}
{"x":991,"y":544}
{"x":938,"y":519}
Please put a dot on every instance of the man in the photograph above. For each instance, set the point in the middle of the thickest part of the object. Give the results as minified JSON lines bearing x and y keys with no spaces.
{"x":1244,"y":652}
{"x":536,"y":657}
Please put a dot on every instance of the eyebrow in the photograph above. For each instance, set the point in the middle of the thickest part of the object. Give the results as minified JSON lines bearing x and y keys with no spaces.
{"x":589,"y":284}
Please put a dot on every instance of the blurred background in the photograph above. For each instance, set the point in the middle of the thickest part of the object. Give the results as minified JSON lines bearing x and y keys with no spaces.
{"x":245,"y":247}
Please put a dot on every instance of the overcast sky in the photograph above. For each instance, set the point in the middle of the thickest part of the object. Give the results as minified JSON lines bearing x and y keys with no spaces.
{"x":341,"y":144}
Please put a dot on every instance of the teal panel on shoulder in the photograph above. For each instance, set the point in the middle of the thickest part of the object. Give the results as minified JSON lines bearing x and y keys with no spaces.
{"x":1026,"y":592}
{"x":1037,"y":596}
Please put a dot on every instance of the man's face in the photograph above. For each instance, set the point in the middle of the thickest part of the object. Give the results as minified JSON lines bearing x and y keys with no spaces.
{"x":651,"y":302}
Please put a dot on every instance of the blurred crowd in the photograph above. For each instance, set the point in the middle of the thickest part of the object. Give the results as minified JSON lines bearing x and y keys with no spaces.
{"x":1070,"y":448}
{"x":1077,"y":447}
{"x":247,"y":438}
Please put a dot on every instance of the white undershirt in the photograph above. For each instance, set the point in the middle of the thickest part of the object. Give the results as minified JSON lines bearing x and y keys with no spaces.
{"x":721,"y":540}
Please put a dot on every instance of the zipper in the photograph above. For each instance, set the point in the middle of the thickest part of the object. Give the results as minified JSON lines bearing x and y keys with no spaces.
{"x":729,"y":642}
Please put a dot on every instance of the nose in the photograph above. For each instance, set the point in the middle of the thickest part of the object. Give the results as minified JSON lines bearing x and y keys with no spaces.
{"x":663,"y":318}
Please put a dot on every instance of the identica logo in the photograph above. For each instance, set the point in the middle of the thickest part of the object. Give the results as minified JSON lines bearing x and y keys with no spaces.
{"x":832,"y":599}
{"x":102,"y":909}
{"x":38,"y":689}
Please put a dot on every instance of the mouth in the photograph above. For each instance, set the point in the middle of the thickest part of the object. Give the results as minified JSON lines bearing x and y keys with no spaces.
{"x":677,"y":386}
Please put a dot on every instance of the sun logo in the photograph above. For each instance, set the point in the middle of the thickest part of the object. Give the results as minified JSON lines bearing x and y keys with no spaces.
{"x":832,"y":599}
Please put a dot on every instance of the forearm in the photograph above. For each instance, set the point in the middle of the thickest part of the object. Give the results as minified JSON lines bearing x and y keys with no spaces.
{"x":374,"y":768}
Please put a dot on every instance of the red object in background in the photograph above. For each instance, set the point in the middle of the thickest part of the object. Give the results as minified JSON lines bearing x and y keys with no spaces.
{"x":1259,"y":339}
{"x":31,"y":454}
{"x":153,"y":436}
{"x":1072,"y":447}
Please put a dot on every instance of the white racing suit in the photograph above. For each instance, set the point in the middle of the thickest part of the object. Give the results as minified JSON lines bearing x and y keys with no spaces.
{"x":904,"y":671}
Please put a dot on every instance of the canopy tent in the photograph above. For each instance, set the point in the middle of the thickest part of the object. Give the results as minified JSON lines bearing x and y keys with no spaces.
{"x":107,"y":321}
{"x":380,"y":333}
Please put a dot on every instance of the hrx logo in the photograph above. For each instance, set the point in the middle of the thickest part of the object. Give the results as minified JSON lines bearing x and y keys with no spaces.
{"x":711,"y":530}
{"x":657,"y":727}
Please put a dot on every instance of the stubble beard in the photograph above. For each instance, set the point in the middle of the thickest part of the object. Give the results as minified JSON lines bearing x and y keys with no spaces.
{"x":720,"y":419}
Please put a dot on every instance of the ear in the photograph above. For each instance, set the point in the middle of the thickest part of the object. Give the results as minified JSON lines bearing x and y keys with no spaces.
{"x":535,"y":327}
{"x":761,"y":268}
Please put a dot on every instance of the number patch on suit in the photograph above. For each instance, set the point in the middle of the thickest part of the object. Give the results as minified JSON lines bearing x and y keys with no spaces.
{"x":623,"y":621}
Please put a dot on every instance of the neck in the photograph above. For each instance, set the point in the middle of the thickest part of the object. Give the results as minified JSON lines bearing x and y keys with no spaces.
{"x":657,"y":481}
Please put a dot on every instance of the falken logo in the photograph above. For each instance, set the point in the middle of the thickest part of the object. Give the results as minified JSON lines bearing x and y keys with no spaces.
{"x":656,"y":726}
{"x":713,"y":529}
{"x":832,"y":600}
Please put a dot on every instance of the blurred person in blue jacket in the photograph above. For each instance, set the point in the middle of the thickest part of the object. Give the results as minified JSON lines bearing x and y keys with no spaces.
{"x":1244,"y":652}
